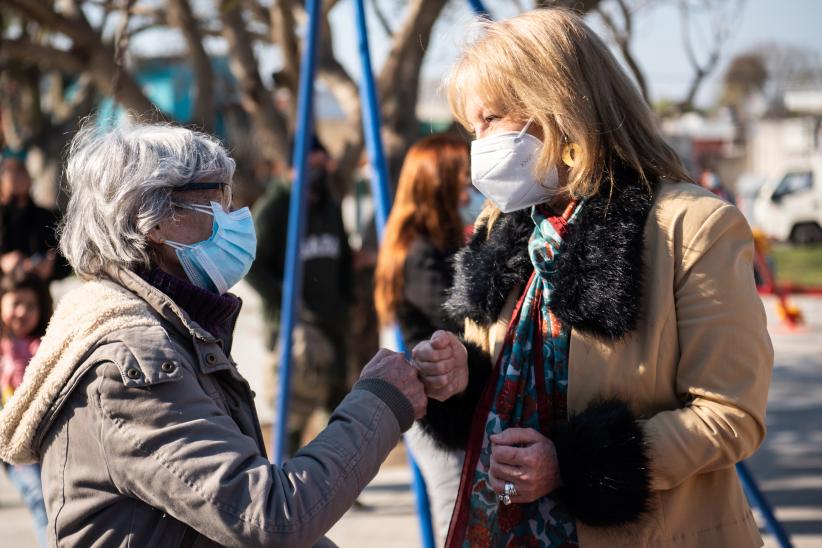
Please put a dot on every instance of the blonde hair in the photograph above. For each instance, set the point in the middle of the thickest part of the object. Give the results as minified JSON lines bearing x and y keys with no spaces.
{"x":549,"y":65}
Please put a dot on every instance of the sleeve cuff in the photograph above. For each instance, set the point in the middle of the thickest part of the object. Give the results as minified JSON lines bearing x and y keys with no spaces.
{"x":392,"y":397}
{"x":448,"y":422}
{"x":604,"y":465}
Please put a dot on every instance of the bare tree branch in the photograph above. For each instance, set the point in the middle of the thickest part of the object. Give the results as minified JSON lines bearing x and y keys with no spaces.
{"x":398,"y":81}
{"x":76,"y":29}
{"x":255,"y":98}
{"x":386,"y":26}
{"x":284,"y":34}
{"x":121,"y":46}
{"x":580,"y":6}
{"x":622,"y":36}
{"x":44,"y":56}
{"x":97,"y":56}
{"x":181,"y":14}
{"x":346,"y":93}
{"x":81,"y":103}
{"x":258,"y":11}
{"x":721,"y":33}
{"x":151,"y":12}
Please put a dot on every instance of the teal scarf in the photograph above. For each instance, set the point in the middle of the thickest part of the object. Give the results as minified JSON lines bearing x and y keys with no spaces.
{"x":527,"y":390}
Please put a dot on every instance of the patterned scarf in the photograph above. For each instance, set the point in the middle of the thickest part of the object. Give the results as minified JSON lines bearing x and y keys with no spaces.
{"x":527,"y":389}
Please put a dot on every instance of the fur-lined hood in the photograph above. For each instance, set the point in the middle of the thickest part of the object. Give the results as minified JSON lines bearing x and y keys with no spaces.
{"x":598,"y":285}
{"x":83,"y":318}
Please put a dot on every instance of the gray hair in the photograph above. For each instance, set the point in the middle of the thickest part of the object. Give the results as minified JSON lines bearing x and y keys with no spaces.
{"x":120,"y":181}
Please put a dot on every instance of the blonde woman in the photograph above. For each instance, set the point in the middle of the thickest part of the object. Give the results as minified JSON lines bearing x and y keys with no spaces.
{"x":626,"y":358}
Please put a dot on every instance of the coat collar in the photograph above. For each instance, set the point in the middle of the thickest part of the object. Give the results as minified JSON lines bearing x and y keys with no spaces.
{"x":598,"y":285}
{"x":165,"y":307}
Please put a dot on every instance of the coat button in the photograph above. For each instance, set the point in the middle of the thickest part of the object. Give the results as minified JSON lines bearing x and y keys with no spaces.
{"x":211,"y":358}
{"x":168,"y":367}
{"x":133,"y":373}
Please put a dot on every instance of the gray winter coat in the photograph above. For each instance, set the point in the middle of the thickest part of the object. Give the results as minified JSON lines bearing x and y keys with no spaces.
{"x":148,"y":435}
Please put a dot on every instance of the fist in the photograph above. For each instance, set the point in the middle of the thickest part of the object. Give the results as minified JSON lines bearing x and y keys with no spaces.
{"x":443,"y":365}
{"x":392,"y":367}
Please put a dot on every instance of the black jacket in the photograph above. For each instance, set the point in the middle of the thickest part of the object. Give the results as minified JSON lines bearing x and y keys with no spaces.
{"x":31,"y":231}
{"x":326,"y":256}
{"x":427,"y":275}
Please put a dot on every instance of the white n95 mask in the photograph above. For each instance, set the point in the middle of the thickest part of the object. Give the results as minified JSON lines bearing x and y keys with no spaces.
{"x":502,"y":168}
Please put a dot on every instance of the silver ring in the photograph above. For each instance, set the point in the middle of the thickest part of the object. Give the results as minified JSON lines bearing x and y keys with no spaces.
{"x":510,"y":489}
{"x":506,"y":500}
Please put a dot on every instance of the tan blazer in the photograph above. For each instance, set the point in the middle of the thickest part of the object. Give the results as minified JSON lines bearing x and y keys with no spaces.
{"x":696,"y":370}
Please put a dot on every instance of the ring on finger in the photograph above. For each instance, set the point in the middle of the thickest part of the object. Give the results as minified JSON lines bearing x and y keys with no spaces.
{"x":509,"y":489}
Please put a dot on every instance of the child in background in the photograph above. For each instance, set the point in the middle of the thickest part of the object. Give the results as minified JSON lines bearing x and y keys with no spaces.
{"x":25,"y":309}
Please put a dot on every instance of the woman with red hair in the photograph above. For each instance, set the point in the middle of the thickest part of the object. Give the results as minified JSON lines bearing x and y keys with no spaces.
{"x":424,"y":231}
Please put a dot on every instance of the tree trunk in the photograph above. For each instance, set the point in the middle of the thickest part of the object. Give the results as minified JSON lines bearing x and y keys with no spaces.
{"x":399,"y":81}
{"x":255,"y":97}
{"x":183,"y":18}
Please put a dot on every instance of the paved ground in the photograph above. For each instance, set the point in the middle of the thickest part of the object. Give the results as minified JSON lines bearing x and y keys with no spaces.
{"x":788,"y":467}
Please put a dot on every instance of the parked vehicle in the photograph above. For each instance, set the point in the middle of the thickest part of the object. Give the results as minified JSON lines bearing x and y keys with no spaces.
{"x":791,"y":210}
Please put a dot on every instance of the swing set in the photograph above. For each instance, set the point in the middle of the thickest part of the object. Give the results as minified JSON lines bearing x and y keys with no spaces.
{"x":292,"y":283}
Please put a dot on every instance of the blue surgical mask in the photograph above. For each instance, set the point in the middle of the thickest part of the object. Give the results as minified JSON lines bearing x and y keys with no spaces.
{"x":218,"y":263}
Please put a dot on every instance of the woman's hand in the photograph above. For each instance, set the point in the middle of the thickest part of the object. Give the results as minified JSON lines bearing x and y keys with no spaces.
{"x":442,"y":363}
{"x":527,"y":459}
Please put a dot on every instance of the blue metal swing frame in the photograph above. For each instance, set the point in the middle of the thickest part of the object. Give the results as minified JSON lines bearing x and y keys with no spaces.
{"x":292,"y":283}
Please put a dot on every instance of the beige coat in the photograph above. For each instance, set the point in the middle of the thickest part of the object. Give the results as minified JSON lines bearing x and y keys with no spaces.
{"x":696,"y":370}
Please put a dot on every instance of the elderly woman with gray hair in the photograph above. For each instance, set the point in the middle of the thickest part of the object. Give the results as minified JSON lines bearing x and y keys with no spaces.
{"x":145,"y":429}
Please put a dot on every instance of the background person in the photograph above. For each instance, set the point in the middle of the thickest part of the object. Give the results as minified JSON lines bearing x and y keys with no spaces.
{"x":25,"y":309}
{"x":627,"y":359}
{"x":414,"y":271}
{"x":709,"y":180}
{"x":320,"y":375}
{"x":27,"y":239}
{"x":144,"y":426}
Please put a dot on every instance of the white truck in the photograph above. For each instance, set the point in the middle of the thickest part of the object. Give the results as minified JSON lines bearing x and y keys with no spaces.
{"x":791,"y":209}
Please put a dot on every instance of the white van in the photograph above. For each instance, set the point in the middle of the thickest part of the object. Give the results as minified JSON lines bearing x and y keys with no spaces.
{"x":791,"y":209}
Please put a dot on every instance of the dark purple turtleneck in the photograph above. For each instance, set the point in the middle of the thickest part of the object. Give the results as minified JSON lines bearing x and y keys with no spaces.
{"x":204,"y":307}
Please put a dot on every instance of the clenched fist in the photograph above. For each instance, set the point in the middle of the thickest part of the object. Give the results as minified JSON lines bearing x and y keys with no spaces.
{"x":392,"y":367}
{"x":443,"y":365}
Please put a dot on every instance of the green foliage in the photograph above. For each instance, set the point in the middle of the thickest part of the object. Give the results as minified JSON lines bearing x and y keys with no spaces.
{"x":799,"y":265}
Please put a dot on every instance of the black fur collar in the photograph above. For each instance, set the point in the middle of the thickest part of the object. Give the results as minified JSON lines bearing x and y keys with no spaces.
{"x":489,"y":267}
{"x":598,"y":288}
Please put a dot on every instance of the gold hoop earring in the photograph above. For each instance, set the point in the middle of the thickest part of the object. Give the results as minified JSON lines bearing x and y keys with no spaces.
{"x":570,"y":153}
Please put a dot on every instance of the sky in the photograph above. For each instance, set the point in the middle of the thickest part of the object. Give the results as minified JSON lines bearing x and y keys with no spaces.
{"x":657,"y":43}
